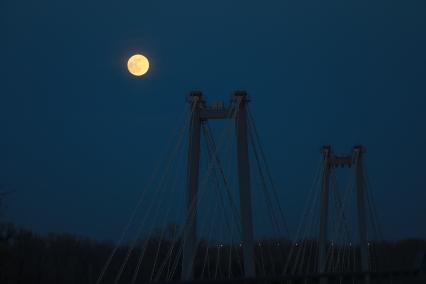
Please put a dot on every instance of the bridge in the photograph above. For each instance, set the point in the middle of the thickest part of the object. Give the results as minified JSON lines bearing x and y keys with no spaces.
{"x":219,"y":219}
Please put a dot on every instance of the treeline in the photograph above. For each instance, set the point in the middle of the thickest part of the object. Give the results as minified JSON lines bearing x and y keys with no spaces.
{"x":26,"y":257}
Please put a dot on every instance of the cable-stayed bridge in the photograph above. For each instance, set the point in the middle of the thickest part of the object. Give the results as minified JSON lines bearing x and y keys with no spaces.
{"x":212,"y":213}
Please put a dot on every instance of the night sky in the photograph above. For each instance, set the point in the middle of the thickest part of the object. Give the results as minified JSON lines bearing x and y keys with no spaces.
{"x":79,"y":134}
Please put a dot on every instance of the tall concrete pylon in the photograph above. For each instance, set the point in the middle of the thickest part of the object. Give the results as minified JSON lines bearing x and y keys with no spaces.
{"x":325,"y":187}
{"x":358,"y":152}
{"x":190,"y":233}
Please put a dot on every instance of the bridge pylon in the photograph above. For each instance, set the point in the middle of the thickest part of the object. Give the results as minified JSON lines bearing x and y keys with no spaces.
{"x":200,"y":113}
{"x":330,"y":163}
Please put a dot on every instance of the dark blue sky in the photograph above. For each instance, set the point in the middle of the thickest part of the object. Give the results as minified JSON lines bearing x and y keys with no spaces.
{"x":79,"y":134}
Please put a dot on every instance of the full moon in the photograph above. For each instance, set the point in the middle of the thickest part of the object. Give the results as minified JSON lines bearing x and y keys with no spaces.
{"x":138,"y":65}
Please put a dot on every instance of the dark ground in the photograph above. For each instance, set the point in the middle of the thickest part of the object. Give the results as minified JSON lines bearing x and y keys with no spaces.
{"x":26,"y":257}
